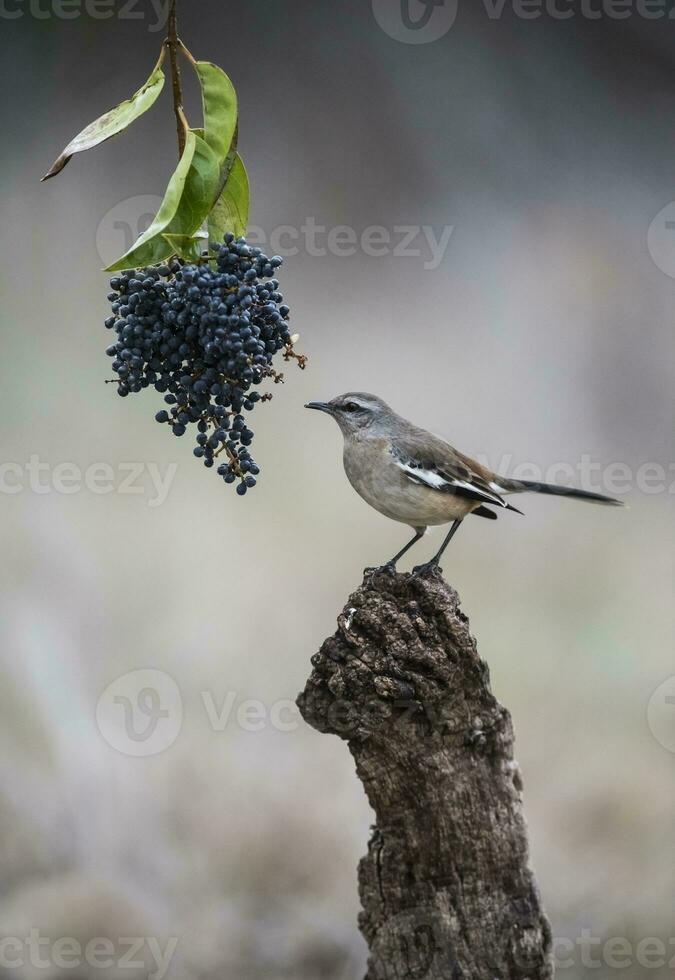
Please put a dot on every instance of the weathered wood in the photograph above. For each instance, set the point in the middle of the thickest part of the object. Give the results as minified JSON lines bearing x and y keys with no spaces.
{"x":446,"y":888}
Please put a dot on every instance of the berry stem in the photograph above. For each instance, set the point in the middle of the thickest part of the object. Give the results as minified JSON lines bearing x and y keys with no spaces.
{"x":173,"y":44}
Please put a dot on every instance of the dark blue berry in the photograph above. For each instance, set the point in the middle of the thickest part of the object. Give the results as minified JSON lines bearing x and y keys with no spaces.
{"x":203,"y":336}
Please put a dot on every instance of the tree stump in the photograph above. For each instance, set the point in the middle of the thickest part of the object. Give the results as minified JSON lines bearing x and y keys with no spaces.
{"x":446,"y":888}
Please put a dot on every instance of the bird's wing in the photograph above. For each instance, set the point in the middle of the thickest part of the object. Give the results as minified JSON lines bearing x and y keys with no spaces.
{"x":430,"y":461}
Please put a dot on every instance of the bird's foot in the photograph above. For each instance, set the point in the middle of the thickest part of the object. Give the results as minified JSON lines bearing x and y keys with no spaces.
{"x":427,"y":568}
{"x":370,"y":573}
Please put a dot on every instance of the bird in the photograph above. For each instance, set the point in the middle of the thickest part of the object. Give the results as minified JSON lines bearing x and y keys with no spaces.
{"x":416,"y":478}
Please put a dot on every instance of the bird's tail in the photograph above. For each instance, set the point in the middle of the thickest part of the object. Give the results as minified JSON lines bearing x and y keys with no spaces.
{"x":557,"y":491}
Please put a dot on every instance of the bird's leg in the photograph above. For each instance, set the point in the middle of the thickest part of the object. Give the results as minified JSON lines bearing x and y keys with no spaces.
{"x":419,"y":533}
{"x":437,"y":557}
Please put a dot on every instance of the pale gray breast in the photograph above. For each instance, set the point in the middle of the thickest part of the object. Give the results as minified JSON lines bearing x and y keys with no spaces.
{"x":376,"y":476}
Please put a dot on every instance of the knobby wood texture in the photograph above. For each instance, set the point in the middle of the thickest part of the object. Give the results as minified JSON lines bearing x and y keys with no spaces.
{"x":446,"y":888}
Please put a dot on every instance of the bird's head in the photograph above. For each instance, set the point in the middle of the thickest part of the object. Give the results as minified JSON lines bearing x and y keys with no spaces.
{"x":354,"y":411}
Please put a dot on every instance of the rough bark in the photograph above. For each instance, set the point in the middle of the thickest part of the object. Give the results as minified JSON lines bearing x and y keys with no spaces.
{"x":446,"y":888}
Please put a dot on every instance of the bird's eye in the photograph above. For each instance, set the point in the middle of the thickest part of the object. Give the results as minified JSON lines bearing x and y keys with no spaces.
{"x":352,"y":407}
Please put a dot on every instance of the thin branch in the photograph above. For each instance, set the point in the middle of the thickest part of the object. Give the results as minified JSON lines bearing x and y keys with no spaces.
{"x":173,"y":44}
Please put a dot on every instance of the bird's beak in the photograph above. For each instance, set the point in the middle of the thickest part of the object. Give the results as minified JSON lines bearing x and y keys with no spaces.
{"x":321,"y":407}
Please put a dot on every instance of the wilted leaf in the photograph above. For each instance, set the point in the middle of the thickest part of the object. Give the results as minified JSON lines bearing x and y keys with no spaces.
{"x":230,"y":212}
{"x":112,"y":122}
{"x":187,"y":202}
{"x":220,"y":107}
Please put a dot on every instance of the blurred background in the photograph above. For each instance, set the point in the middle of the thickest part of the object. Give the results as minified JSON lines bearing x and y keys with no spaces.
{"x":516,"y":297}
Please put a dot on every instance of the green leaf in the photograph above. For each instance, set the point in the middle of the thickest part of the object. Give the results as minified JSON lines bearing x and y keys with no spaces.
{"x":201,"y":190}
{"x":151,"y":247}
{"x":112,"y":122}
{"x":219,"y":100}
{"x":189,"y":247}
{"x":188,"y":199}
{"x":230,"y":212}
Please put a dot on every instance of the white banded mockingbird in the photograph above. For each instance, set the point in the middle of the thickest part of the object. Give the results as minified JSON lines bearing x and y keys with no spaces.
{"x":414,"y":477}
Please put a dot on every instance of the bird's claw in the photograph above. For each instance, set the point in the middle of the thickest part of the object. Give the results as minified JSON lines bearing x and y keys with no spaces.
{"x":426,"y":568}
{"x":370,"y":573}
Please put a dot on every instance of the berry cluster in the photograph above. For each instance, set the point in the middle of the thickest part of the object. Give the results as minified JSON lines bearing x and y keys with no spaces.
{"x":204,"y":335}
